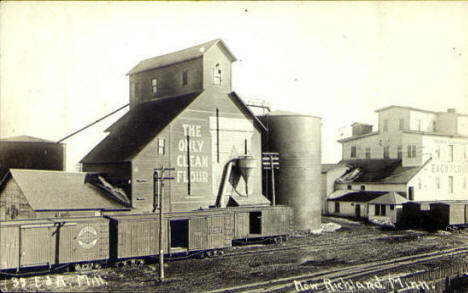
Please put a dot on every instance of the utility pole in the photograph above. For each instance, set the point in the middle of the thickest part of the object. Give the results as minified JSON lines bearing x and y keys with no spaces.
{"x":270,"y":161}
{"x":158,"y":181}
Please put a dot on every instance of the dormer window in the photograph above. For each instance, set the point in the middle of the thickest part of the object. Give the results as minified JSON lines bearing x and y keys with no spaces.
{"x":154,"y":85}
{"x":217,"y":75}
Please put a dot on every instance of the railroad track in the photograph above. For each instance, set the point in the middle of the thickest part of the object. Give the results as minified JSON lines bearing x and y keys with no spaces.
{"x":332,"y":275}
{"x":314,"y":246}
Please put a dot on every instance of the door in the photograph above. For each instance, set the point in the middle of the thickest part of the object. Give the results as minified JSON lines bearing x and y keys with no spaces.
{"x":357,"y":209}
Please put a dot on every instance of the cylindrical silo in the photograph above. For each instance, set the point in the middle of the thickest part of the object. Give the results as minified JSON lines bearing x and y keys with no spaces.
{"x":297,"y":139}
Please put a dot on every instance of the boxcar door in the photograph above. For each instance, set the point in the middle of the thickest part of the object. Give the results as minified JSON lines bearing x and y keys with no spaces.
{"x":242,"y":225}
{"x":36,"y":246}
{"x":197,"y":233}
{"x":9,"y":241}
{"x":216,"y":232}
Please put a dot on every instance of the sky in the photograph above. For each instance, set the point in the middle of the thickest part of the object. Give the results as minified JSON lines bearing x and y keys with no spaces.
{"x":63,"y":64}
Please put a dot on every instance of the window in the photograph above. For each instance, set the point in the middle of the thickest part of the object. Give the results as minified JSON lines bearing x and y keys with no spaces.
{"x":368,"y":156}
{"x":353,"y":151}
{"x":349,"y":187}
{"x":411,"y":151}
{"x":14,"y":212}
{"x":385,"y":125}
{"x":451,"y":153}
{"x":217,"y":75}
{"x":450,"y":182}
{"x":437,"y":182}
{"x":411,"y":193}
{"x":386,"y":152}
{"x":419,"y":125}
{"x":401,"y":124}
{"x":434,"y":126}
{"x":161,"y":146}
{"x":377,"y":210}
{"x":337,"y":207}
{"x":184,"y":78}
{"x":363,"y":187}
{"x":392,"y":207}
{"x":246,"y":149}
{"x":380,"y":210}
{"x":154,"y":85}
{"x":400,"y":152}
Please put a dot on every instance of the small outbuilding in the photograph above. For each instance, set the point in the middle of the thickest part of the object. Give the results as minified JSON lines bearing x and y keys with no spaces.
{"x":387,"y":207}
{"x":26,"y":194}
{"x":353,"y":204}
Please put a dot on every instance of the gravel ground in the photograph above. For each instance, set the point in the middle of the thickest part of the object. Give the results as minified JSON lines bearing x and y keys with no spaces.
{"x":195,"y":275}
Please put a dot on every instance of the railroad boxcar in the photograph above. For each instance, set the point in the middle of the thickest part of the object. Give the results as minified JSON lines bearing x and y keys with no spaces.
{"x":448,"y":214}
{"x":137,"y":236}
{"x":50,"y":242}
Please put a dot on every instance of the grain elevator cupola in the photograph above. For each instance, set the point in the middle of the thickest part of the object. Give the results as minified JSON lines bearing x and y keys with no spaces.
{"x":182,"y":72}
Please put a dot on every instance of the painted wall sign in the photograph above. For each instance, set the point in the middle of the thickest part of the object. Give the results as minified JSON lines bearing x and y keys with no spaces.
{"x":449,"y":168}
{"x":193,"y":150}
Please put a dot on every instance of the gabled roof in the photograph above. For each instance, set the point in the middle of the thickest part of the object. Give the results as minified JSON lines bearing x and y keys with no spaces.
{"x":25,"y":138}
{"x":141,"y":124}
{"x":180,"y":56}
{"x":405,"y":108}
{"x":136,"y":128}
{"x":57,"y":190}
{"x":359,"y":196}
{"x":390,"y":198}
{"x":242,"y":105}
{"x":328,"y":167}
{"x":378,"y":171}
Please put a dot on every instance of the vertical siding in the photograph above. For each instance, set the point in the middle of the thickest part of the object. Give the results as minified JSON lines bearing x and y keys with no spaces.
{"x":242,"y":225}
{"x":12,"y":196}
{"x":36,"y":245}
{"x":198,"y":233}
{"x":9,"y":247}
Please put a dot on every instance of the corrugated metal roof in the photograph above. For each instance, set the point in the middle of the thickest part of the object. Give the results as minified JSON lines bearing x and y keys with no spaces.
{"x":359,"y":196}
{"x":379,"y":171}
{"x":390,"y":198}
{"x":136,"y":128}
{"x":179,"y":56}
{"x":57,"y":190}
